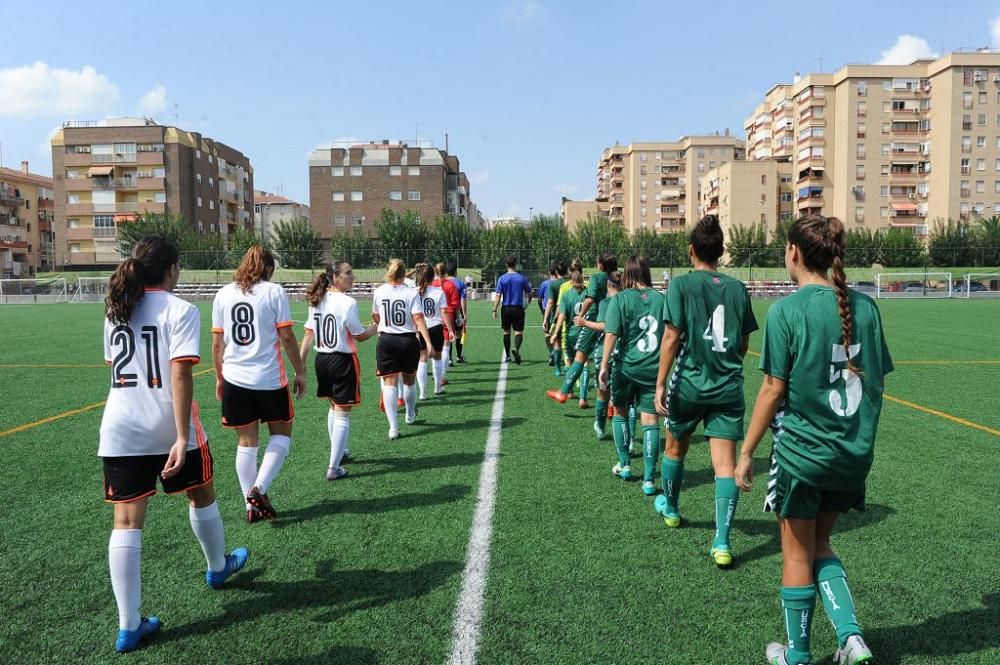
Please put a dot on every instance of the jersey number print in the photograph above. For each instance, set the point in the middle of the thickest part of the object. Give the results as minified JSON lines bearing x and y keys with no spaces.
{"x":123,"y":337}
{"x":648,"y":325}
{"x":326,"y":330}
{"x":852,"y":383}
{"x":430,"y":308}
{"x":394,"y":312}
{"x":715,"y":332}
{"x":243,"y":330}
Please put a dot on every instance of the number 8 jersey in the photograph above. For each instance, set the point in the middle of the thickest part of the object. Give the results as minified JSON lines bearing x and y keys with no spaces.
{"x":249,"y":324}
{"x":139,"y":414}
{"x":396,"y":304}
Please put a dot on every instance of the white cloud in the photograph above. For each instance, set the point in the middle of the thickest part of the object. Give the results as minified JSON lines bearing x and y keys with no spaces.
{"x":523,"y":11}
{"x":907,"y":49}
{"x":565,"y":189}
{"x":39,"y":89}
{"x":995,"y":32}
{"x":154,"y":101}
{"x":479,"y":177}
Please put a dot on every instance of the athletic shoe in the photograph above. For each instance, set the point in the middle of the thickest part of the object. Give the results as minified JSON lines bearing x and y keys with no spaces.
{"x":444,"y":382}
{"x":235,"y":561}
{"x":670,"y":518}
{"x":722,"y":556}
{"x":599,"y":431}
{"x":393,"y":434}
{"x":439,"y":391}
{"x":506,"y":359}
{"x":421,"y":397}
{"x":558,"y":371}
{"x":855,"y":652}
{"x":776,"y":654}
{"x":263,"y":504}
{"x":335,"y":473}
{"x":648,"y":487}
{"x":409,"y":420}
{"x":517,"y":357}
{"x":552,"y":361}
{"x":254,"y":516}
{"x":347,"y":456}
{"x":557,"y":396}
{"x":451,"y":363}
{"x":128,"y":640}
{"x":461,"y":360}
{"x":584,"y":404}
{"x":623,"y":472}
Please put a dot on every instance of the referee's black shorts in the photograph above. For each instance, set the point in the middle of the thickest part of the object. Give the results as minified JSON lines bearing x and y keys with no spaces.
{"x":512,"y":316}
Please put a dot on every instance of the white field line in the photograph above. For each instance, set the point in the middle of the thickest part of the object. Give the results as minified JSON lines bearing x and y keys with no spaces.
{"x":469,"y":611}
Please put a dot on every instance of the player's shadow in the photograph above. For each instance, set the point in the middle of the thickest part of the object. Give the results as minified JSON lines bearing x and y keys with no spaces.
{"x":463,"y":399}
{"x":330,"y":595}
{"x":370,"y":506}
{"x":429,"y":427}
{"x":340,"y":655}
{"x":946,"y":636}
{"x":411,"y":464}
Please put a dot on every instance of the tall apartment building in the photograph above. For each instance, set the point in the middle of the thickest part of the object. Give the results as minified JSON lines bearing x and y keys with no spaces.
{"x":269,"y":209}
{"x":655,"y":185}
{"x":744,"y":193}
{"x":26,"y":214}
{"x":351,"y":183}
{"x":889,"y":145}
{"x":109,"y":172}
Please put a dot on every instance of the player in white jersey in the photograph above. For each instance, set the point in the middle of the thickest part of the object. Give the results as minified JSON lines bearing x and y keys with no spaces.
{"x":251,"y":322}
{"x":437,"y":317}
{"x":398,"y":312}
{"x":151,"y":429}
{"x":334,"y":326}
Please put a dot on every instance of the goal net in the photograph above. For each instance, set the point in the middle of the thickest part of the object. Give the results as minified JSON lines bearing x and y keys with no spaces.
{"x":90,"y":289}
{"x":913,"y":285}
{"x":979,"y":285}
{"x":24,"y":291}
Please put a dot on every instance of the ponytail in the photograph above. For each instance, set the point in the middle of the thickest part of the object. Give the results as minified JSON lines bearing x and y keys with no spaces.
{"x":320,"y":285}
{"x":424,"y":276}
{"x":257,"y":265}
{"x":151,"y":260}
{"x":395,"y":272}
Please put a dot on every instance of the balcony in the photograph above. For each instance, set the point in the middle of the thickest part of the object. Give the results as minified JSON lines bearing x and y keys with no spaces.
{"x":10,"y":199}
{"x":77,"y":184}
{"x":80,"y":233}
{"x":18,"y":245}
{"x":10,"y":220}
{"x":74,"y":209}
{"x":908,"y":112}
{"x":113,"y":158}
{"x":152,"y":207}
{"x":76,"y":159}
{"x":230,"y":195}
{"x":113,"y":183}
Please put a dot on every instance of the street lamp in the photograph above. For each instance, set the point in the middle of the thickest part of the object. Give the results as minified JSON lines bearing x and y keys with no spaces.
{"x":529,"y":214}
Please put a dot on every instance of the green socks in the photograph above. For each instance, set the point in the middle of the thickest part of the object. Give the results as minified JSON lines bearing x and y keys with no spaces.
{"x":572,"y":374}
{"x":584,"y":382}
{"x":618,"y":425}
{"x":601,"y":413}
{"x":798,"y":603}
{"x":726,"y":497}
{"x":650,"y":451}
{"x":631,"y":422}
{"x":672,"y":471}
{"x":831,"y":583}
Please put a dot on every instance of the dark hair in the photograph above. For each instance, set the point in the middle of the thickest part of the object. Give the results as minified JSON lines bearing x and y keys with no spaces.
{"x":822,"y":241}
{"x":511,"y":261}
{"x":636,"y":272}
{"x":575,"y":264}
{"x":707,"y":239}
{"x":324,"y":281}
{"x":555,"y":266}
{"x":440,"y":270}
{"x":257,"y":265}
{"x":452,"y":269}
{"x":151,"y":260}
{"x":576,"y":279}
{"x":607,"y":262}
{"x":424,"y":276}
{"x":615,"y":279}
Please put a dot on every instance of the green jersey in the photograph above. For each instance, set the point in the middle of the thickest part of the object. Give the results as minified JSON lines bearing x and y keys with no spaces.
{"x":569,"y":306}
{"x":714,"y":314}
{"x":554,"y":285}
{"x":826,"y":428}
{"x":597,"y":290}
{"x":634,"y":315}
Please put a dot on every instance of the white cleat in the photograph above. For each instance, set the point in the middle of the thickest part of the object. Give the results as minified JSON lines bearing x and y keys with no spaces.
{"x":393,"y":434}
{"x":855,"y":652}
{"x":776,"y":654}
{"x":335,"y":473}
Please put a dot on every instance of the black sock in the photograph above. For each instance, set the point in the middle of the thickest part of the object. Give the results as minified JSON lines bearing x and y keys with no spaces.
{"x":458,"y":347}
{"x":506,"y":344}
{"x":517,"y":342}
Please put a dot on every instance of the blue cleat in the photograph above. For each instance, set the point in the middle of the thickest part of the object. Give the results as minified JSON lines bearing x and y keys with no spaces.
{"x":128,"y":640}
{"x":670,"y":518}
{"x":648,"y":487}
{"x":234,"y":563}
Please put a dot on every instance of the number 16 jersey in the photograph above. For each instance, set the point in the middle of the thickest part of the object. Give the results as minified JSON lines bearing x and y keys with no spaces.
{"x":395,"y":305}
{"x":249,"y":324}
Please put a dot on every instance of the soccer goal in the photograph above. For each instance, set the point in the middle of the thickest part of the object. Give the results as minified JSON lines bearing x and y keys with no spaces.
{"x":979,"y":285}
{"x":90,"y":289}
{"x":24,"y":291}
{"x":913,"y":285}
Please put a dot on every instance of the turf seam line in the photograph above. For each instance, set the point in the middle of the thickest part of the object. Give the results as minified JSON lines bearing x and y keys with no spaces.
{"x":469,"y":609}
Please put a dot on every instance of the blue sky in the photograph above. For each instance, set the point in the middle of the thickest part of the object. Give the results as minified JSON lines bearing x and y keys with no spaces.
{"x":529,"y":91}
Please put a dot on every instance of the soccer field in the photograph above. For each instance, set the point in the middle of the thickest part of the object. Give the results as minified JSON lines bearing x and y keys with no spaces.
{"x":370,"y":569}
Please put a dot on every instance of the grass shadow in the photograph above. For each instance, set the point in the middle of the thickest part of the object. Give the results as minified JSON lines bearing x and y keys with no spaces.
{"x":371,"y":506}
{"x":341,"y":655}
{"x":410,"y":464}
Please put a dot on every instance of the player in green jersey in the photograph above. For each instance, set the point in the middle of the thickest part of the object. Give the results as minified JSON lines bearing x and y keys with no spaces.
{"x":824,"y":360}
{"x":570,"y":304}
{"x":632,"y":322}
{"x":603,"y":394}
{"x":708,"y":324}
{"x":557,"y":277}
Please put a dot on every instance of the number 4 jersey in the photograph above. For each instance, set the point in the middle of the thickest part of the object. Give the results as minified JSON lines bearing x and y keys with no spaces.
{"x":249,"y":324}
{"x":634,"y":316}
{"x":139,"y":414}
{"x":334,"y":323}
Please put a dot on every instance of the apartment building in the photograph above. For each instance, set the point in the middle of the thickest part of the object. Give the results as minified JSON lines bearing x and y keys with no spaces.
{"x":574,"y":212}
{"x":351,"y":183}
{"x":744,"y":193}
{"x":26,"y":214}
{"x":109,"y":172}
{"x":269,"y":209}
{"x":655,"y":185}
{"x":889,"y":145}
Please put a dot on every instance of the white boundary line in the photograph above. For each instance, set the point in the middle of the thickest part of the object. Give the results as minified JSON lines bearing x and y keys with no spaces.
{"x":469,"y":610}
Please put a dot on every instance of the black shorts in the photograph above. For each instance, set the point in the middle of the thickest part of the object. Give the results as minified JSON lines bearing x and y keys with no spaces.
{"x":437,"y":338}
{"x":338,"y":377}
{"x":395,"y":354}
{"x":243,"y":406}
{"x":512,"y":316}
{"x":132,"y":478}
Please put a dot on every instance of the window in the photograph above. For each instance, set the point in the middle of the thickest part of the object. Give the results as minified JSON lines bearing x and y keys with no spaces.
{"x":413,"y":170}
{"x":862,"y":109}
{"x":199,"y":201}
{"x":980,"y":187}
{"x":862,"y":130}
{"x":642,"y":156}
{"x":883,"y":212}
{"x":197,"y":154}
{"x":967,"y":77}
{"x":884,"y":149}
{"x":210,"y":160}
{"x":966,"y":100}
{"x":211,"y":181}
{"x":337,"y":172}
{"x":859,"y":214}
{"x":338,"y":196}
{"x":786,"y":179}
{"x":357,"y":220}
{"x":982,"y":98}
{"x":159,"y":197}
{"x":159,"y":172}
{"x":965,"y":167}
{"x":395,"y":170}
{"x":786,"y":197}
{"x":339,"y":220}
{"x":859,"y":151}
{"x":642,"y":170}
{"x":963,"y":189}
{"x":197,"y":177}
{"x":211,"y":227}
{"x":763,"y":180}
{"x":211,"y":204}
{"x":980,"y":164}
{"x":357,"y":196}
{"x":885,"y":170}
{"x":862,"y":88}
{"x":981,"y":119}
{"x":642,"y":184}
{"x":201,"y":226}
{"x":996,"y":186}
{"x":355,"y":170}
{"x":966,"y":144}
{"x":413,"y":196}
{"x":980,"y":141}
{"x":642,"y":198}
{"x":642,"y":211}
{"x":859,"y":171}
{"x":711,"y":165}
{"x":701,"y":167}
{"x":996,"y":165}
{"x":966,"y":122}
{"x":884,"y":190}
{"x":887,"y":86}
{"x":395,"y":196}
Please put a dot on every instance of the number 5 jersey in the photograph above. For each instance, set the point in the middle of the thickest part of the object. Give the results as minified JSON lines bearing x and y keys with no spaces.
{"x":249,"y":324}
{"x":139,"y":414}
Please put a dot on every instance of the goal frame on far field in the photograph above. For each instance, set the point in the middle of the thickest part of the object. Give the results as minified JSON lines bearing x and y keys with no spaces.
{"x":991,"y":280}
{"x":33,"y":291}
{"x":90,"y":289}
{"x":914,"y":284}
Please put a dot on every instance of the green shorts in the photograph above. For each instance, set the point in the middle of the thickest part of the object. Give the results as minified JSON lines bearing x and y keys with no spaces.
{"x":792,"y":498}
{"x":722,"y":421}
{"x":587,"y":341}
{"x":625,"y":392}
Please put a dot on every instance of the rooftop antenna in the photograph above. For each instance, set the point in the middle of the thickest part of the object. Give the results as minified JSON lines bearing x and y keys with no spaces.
{"x":177,"y":115}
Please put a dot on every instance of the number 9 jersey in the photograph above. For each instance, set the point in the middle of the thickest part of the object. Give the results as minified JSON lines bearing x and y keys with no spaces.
{"x":249,"y":324}
{"x":139,"y":415}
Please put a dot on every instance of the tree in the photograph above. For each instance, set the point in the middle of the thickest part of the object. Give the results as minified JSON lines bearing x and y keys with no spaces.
{"x":548,"y":239}
{"x":451,"y":239}
{"x":401,"y":236}
{"x":499,"y":242}
{"x":356,"y":247}
{"x":987,"y":235}
{"x":901,"y":249}
{"x":747,"y":245}
{"x":950,"y":244}
{"x":596,"y":235}
{"x":863,"y":248}
{"x":169,"y":226}
{"x":296,"y":244}
{"x":240,"y":242}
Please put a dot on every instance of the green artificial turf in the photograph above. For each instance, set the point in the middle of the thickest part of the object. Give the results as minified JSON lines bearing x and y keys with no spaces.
{"x":368,"y":569}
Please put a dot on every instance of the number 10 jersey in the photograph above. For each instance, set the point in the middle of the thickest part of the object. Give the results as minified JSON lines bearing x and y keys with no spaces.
{"x":334,"y":323}
{"x":249,"y":324}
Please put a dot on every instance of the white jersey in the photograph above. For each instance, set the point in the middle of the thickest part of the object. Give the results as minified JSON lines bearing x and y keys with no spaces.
{"x":396,"y":304}
{"x":335,"y":323}
{"x":139,"y":414}
{"x":249,"y":323}
{"x":433,"y":302}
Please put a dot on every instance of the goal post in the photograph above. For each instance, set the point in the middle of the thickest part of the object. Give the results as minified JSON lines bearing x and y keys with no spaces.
{"x":913,"y":285}
{"x":979,"y":285}
{"x":31,"y":291}
{"x":90,"y":289}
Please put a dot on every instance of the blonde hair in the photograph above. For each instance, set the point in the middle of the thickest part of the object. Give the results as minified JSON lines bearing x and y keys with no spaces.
{"x":396,"y":271}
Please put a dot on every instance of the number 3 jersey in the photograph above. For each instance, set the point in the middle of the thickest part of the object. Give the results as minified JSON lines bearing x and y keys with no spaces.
{"x":139,"y":414}
{"x":396,"y":304}
{"x":825,"y":431}
{"x":249,"y":324}
{"x":714,"y":314}
{"x":334,"y":323}
{"x":634,"y":316}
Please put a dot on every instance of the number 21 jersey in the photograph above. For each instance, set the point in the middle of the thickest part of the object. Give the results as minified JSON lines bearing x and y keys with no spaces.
{"x":249,"y":324}
{"x":396,"y":304}
{"x":334,"y":323}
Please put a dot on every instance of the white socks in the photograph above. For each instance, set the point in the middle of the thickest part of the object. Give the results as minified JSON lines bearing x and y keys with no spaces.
{"x":274,"y":457}
{"x":422,"y":378}
{"x":246,"y":469}
{"x":339,"y":425}
{"x":389,"y":397}
{"x":124,"y":555}
{"x":445,"y":359}
{"x":438,"y":374}
{"x":410,"y":399}
{"x":207,"y":526}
